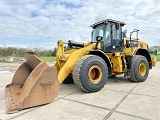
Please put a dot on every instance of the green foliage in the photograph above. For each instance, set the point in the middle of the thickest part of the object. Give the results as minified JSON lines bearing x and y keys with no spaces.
{"x":158,"y":57}
{"x":20,"y":52}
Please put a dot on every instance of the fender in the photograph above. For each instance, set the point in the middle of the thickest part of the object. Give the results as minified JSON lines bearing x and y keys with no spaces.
{"x":105,"y":58}
{"x":145,"y":53}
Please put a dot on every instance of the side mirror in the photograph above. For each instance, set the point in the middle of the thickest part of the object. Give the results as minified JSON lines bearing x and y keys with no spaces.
{"x":99,"y":38}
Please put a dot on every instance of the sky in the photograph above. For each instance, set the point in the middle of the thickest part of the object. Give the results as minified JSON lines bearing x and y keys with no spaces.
{"x":41,"y":23}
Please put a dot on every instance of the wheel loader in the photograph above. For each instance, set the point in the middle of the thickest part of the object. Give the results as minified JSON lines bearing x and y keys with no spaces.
{"x":88,"y":65}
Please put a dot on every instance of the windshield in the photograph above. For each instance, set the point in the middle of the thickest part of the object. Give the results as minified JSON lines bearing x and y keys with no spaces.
{"x":99,"y":31}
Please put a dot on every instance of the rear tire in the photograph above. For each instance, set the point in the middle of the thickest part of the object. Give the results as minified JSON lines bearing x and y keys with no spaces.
{"x":90,"y":73}
{"x":139,"y":69}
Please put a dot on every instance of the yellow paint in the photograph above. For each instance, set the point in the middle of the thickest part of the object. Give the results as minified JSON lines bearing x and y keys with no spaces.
{"x":117,"y":62}
{"x":67,"y":59}
{"x":142,"y":69}
{"x":153,"y":59}
{"x":66,"y":67}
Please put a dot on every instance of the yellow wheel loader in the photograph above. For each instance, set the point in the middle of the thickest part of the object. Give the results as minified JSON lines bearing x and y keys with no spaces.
{"x":88,"y":65}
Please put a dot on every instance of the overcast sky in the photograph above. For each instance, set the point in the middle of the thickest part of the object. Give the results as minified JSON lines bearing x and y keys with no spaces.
{"x":40,"y":23}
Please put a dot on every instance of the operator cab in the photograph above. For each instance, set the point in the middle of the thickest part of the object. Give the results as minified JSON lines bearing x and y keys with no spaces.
{"x":111,"y":33}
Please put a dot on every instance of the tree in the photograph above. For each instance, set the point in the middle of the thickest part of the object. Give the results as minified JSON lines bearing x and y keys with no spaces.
{"x":54,"y":52}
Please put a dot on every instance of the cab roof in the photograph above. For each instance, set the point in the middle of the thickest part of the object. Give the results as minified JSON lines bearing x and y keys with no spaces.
{"x":106,"y":21}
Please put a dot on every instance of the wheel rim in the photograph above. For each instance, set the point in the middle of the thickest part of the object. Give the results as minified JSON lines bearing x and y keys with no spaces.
{"x":95,"y":74}
{"x":142,"y":69}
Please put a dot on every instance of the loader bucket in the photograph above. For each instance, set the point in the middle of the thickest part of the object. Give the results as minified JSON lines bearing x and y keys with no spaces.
{"x":34,"y":83}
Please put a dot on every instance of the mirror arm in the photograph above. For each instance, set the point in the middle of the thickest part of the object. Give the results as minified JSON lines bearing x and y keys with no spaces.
{"x":98,"y":38}
{"x":97,"y":44}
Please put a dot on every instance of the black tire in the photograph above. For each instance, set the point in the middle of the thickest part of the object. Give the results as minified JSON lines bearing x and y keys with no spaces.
{"x":83,"y":79}
{"x":68,"y":80}
{"x":136,"y":75}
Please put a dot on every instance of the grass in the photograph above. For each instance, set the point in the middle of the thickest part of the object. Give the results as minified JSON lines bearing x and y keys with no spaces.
{"x":51,"y":59}
{"x":48,"y":59}
{"x":158,"y":57}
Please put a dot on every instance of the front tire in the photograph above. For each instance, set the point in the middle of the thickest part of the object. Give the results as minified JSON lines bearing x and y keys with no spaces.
{"x":90,"y":73}
{"x":139,"y":69}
